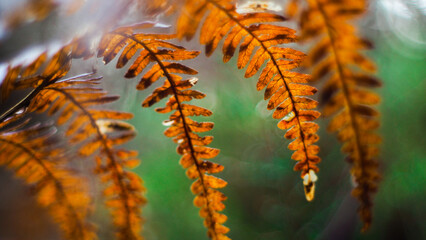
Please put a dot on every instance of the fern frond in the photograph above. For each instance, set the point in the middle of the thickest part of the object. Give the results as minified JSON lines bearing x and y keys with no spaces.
{"x":40,"y":70}
{"x":192,"y":147}
{"x":33,"y":156}
{"x":346,"y":94}
{"x":99,"y":130}
{"x":286,"y":90}
{"x":37,"y":75}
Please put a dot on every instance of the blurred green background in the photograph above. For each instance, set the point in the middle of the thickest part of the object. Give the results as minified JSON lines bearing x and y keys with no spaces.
{"x":265,"y":196}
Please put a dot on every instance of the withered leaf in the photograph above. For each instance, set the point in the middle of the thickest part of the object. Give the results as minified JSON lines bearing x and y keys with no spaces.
{"x":192,"y":147}
{"x":337,"y":57}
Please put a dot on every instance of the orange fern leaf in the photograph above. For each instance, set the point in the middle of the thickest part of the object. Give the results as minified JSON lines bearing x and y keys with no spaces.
{"x":8,"y":84}
{"x":181,"y":127}
{"x":31,"y":153}
{"x":36,"y":76}
{"x":285,"y":89}
{"x":22,"y":77}
{"x":99,"y":129}
{"x":346,"y":95}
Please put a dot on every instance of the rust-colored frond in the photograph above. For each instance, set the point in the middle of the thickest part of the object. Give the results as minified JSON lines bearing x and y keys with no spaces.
{"x":99,"y":131}
{"x":285,"y":90}
{"x":33,"y":156}
{"x":33,"y":74}
{"x":192,"y":147}
{"x":41,"y":72}
{"x":36,"y":76}
{"x":337,"y":58}
{"x":95,"y":130}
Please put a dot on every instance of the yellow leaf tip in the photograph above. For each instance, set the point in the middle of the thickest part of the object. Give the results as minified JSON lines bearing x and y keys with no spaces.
{"x":309,"y":180}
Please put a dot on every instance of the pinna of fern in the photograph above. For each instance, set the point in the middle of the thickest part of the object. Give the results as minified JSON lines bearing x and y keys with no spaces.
{"x":346,"y":95}
{"x":154,"y":49}
{"x":31,"y":154}
{"x":93,"y":130}
{"x":286,"y":90}
{"x":100,"y":131}
{"x":30,"y":150}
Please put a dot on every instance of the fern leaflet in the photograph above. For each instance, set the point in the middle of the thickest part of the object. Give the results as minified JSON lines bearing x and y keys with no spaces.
{"x":283,"y":88}
{"x":97,"y":129}
{"x":25,"y":151}
{"x":32,"y":154}
{"x":346,"y":95}
{"x":181,"y":127}
{"x":104,"y":129}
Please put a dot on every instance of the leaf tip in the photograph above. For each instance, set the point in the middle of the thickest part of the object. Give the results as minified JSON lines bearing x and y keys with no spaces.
{"x":309,"y":180}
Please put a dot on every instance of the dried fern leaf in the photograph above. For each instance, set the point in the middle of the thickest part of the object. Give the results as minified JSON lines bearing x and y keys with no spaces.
{"x":259,"y":44}
{"x":31,"y":153}
{"x":183,"y":130}
{"x":346,"y":95}
{"x":44,"y":70}
{"x":100,"y":130}
{"x":96,"y":130}
{"x":35,"y":76}
{"x":28,"y":76}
